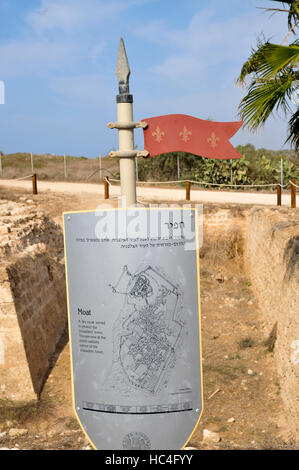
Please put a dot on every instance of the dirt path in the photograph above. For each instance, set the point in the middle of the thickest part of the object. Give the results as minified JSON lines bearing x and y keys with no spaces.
{"x":154,"y":193}
{"x":241,"y":389}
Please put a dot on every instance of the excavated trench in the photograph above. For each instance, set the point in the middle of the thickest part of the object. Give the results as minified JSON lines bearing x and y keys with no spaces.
{"x":249,"y":311}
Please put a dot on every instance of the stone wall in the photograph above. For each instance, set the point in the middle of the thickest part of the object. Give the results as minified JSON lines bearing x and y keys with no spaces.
{"x":224,"y":232}
{"x":33,"y":312}
{"x":272,"y":260}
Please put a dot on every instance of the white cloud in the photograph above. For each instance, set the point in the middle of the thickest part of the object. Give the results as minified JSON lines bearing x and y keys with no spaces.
{"x":35,"y":57}
{"x":97,"y":51}
{"x":178,"y":67}
{"x":69,"y":15}
{"x":73,"y":42}
{"x":88,"y":89}
{"x":54,"y":15}
{"x":207,"y":41}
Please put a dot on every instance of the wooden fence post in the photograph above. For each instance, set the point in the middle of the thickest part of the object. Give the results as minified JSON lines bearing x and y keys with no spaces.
{"x":293,"y":194}
{"x":279,"y":195}
{"x":106,"y":186}
{"x":34,"y":184}
{"x":188,"y":190}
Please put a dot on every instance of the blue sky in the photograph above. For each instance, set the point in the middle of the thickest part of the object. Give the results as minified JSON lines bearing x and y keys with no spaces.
{"x":58,"y":60}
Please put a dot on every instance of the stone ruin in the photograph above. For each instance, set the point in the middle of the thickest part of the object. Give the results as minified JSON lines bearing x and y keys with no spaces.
{"x":33,"y":313}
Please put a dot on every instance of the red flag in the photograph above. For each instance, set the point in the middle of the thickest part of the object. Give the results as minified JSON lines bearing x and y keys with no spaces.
{"x":179,"y":132}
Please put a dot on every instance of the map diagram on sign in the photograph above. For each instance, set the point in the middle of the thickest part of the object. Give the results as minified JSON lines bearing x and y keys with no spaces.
{"x":149,"y":330}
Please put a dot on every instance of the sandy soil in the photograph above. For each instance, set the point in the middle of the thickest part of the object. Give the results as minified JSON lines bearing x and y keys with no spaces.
{"x":242,"y":400}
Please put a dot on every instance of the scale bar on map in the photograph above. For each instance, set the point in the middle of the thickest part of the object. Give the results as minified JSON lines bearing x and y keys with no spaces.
{"x":138,"y":410}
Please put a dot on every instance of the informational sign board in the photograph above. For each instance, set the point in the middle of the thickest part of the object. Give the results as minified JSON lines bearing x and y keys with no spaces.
{"x":134,"y":323}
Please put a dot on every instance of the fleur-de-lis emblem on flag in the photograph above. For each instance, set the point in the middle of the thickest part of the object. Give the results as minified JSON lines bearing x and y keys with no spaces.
{"x":185,"y":134}
{"x":180,"y":132}
{"x":159,"y":134}
{"x":213,"y":140}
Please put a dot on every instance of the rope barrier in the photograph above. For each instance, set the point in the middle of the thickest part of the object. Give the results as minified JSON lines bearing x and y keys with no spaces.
{"x":161,"y":182}
{"x":24,"y":178}
{"x":153,"y":182}
{"x":207,"y":183}
{"x":191,"y":181}
{"x":236,"y":185}
{"x":278,"y":187}
{"x":293,"y":184}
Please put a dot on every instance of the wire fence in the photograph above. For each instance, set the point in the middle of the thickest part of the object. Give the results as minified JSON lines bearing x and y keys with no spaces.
{"x":65,"y":168}
{"x":56,"y":168}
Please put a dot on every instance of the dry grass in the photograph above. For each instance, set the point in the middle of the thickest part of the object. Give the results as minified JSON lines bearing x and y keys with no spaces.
{"x":51,"y":167}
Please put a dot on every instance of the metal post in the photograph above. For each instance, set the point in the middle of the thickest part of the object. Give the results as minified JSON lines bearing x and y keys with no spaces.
{"x":278,"y":195}
{"x":34,"y":184}
{"x":126,"y":126}
{"x":293,"y":194}
{"x":125,"y":136}
{"x":32,"y":164}
{"x":106,"y":186}
{"x":281,"y":172}
{"x":65,"y":168}
{"x":178,"y":165}
{"x":100,"y":162}
{"x":127,"y":165}
{"x":188,"y":190}
{"x":231,"y":172}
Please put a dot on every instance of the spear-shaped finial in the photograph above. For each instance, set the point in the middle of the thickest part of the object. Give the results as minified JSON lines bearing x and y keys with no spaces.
{"x":123,"y":74}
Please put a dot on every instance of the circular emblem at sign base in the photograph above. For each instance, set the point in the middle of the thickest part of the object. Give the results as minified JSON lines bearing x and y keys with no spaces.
{"x":136,"y":441}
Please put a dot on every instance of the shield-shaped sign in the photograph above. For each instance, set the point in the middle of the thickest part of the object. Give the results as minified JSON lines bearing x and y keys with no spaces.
{"x":134,"y":324}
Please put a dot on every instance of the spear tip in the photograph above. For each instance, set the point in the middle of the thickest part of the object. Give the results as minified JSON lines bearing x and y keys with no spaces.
{"x":122,"y":66}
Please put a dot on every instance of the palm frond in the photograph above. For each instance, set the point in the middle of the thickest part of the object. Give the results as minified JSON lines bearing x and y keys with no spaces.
{"x":274,"y":77}
{"x":277,"y":58}
{"x":264,"y":97}
{"x":293,"y":12}
{"x":293,"y":137}
{"x":254,"y":63}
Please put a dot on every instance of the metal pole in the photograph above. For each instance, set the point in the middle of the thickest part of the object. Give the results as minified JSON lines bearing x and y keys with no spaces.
{"x":281,"y":172}
{"x":65,"y":169}
{"x":127,"y":165}
{"x":32,"y":164}
{"x":100,"y":162}
{"x":126,"y":126}
{"x":178,"y":165}
{"x":125,"y":136}
{"x":231,"y":172}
